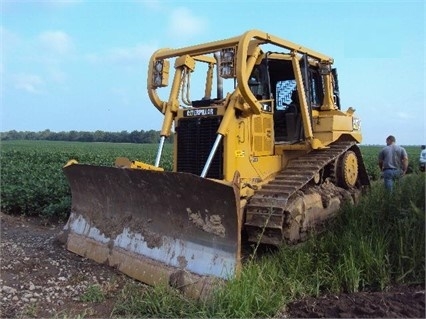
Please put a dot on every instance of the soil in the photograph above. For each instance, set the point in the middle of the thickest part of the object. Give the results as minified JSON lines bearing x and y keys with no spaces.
{"x":40,"y":278}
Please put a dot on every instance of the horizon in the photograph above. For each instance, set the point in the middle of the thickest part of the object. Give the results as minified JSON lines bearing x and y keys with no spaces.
{"x":127,"y":131}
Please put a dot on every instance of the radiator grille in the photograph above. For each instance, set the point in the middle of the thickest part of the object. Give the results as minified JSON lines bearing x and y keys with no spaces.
{"x":195,"y":138}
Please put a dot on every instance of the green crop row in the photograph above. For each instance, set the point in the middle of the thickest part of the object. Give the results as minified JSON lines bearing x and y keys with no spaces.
{"x":32,"y":181}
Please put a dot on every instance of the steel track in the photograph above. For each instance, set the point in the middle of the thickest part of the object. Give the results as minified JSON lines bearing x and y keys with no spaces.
{"x":265,"y":211}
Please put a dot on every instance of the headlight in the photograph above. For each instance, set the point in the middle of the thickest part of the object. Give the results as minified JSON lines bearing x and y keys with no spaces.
{"x":356,"y":124}
{"x":227,"y":63}
{"x":160,"y":73}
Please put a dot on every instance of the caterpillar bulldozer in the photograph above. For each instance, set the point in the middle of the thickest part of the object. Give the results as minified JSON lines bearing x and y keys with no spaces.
{"x":266,"y":162}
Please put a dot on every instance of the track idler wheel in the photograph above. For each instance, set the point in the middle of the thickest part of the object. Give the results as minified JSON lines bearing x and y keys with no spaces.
{"x":347,"y":170}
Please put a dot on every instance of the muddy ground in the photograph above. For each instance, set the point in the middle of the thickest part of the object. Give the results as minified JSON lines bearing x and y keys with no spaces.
{"x":39,"y":278}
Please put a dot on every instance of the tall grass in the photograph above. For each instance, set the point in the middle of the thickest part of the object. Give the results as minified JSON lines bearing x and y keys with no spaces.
{"x":370,"y":246}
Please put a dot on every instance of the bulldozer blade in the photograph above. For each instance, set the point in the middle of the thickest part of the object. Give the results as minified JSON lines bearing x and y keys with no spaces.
{"x":158,"y":227}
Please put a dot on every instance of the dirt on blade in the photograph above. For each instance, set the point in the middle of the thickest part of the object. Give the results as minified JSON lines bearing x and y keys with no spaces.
{"x":40,"y":278}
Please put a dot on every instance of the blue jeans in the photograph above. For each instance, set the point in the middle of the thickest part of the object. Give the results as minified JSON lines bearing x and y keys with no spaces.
{"x":389,"y":176}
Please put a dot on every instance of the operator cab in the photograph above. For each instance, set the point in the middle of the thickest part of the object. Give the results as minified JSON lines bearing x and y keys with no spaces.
{"x":288,"y":125}
{"x":276,"y":80}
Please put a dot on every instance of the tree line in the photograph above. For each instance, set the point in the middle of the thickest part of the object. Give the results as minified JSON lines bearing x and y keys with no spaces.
{"x":142,"y":137}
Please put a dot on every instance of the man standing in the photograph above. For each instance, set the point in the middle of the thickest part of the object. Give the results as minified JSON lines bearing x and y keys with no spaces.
{"x":422,"y":159}
{"x":393,"y":162}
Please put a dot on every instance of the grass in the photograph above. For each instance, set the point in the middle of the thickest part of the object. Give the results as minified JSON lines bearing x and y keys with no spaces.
{"x":160,"y":301}
{"x":377,"y":243}
{"x":94,"y":293}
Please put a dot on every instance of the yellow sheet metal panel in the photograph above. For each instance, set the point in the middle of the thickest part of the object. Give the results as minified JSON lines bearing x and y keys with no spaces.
{"x":330,"y":137}
{"x":262,"y":135}
{"x":332,"y":123}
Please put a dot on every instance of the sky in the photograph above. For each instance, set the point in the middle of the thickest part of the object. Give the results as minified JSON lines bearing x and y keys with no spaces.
{"x":82,"y":65}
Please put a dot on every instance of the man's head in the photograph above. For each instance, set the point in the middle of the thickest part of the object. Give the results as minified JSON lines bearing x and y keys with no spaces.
{"x":423,"y":147}
{"x":390,"y":140}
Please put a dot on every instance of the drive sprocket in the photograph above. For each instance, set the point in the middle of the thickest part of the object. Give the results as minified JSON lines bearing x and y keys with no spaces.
{"x":347,"y":170}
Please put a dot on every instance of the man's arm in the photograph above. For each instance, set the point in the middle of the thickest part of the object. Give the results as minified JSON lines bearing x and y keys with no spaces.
{"x":404,"y":161}
{"x":381,"y":165}
{"x":405,"y":164}
{"x":381,"y":161}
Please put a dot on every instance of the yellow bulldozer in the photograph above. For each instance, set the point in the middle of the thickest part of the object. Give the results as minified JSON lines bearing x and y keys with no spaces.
{"x":263,"y":154}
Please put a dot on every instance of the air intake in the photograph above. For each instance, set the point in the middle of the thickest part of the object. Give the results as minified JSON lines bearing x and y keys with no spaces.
{"x":195,"y":138}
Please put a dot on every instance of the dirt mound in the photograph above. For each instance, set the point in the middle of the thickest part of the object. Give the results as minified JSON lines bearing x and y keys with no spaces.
{"x":398,"y":302}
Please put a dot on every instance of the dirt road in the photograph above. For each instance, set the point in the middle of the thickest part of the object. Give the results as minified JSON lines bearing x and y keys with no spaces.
{"x":39,"y":278}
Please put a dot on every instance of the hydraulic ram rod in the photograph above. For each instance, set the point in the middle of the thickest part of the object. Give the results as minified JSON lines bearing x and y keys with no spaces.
{"x":211,"y":155}
{"x":160,"y":151}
